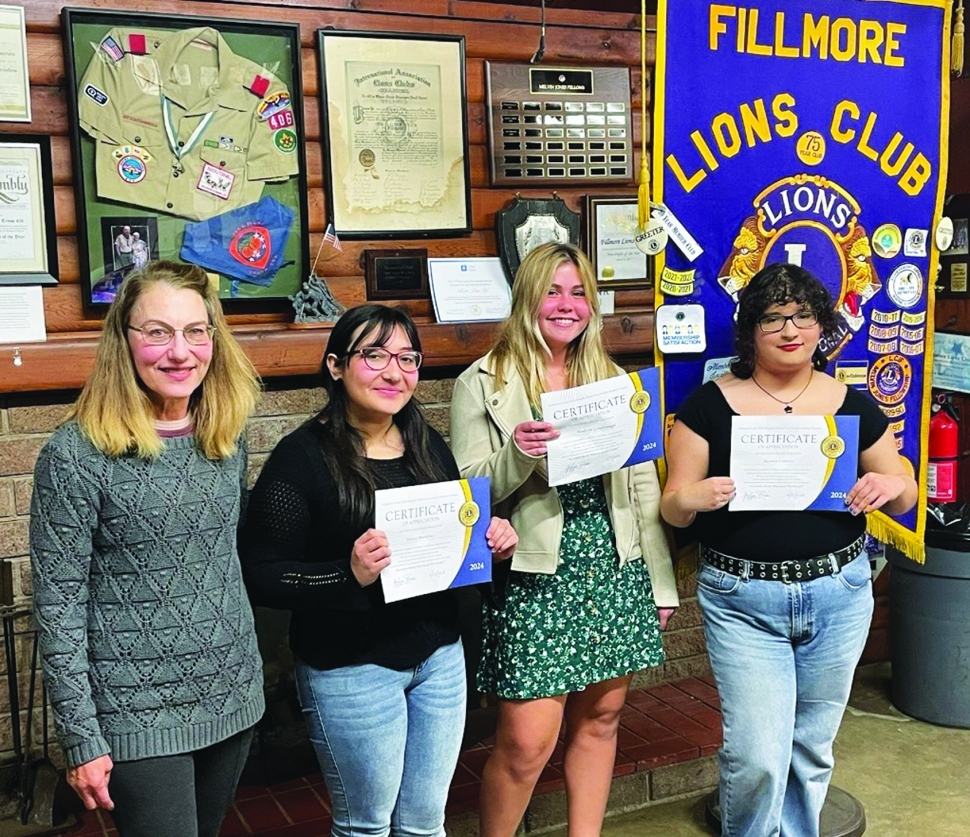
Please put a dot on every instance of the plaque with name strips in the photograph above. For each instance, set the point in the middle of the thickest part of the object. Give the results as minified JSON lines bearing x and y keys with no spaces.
{"x":558,"y":125}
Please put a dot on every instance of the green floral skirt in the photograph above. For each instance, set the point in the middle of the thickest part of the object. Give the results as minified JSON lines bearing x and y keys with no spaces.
{"x":589,"y":622}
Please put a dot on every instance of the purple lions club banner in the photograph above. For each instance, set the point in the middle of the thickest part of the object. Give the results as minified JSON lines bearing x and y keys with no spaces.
{"x":815,"y":133}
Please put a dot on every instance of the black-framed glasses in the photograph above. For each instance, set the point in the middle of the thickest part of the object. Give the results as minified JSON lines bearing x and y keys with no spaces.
{"x":161,"y":334}
{"x":773,"y":323}
{"x":378,"y":359}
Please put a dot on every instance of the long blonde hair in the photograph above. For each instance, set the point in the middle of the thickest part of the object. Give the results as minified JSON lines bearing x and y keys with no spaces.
{"x":521,"y":345}
{"x":114,"y":409}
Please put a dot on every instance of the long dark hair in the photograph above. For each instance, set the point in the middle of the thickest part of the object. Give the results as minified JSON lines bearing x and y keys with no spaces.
{"x":343,"y":445}
{"x":778,"y":284}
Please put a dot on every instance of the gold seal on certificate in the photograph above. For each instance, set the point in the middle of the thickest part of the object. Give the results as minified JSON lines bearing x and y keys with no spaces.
{"x":469,"y":513}
{"x":833,"y":447}
{"x":640,"y":402}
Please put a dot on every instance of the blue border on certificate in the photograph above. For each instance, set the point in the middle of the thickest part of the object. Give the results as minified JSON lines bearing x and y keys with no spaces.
{"x":845,"y":469}
{"x":649,"y":443}
{"x":476,"y":564}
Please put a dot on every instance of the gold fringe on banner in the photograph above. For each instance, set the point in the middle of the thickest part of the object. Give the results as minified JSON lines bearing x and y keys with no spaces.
{"x":881,"y":528}
{"x":956,"y":44}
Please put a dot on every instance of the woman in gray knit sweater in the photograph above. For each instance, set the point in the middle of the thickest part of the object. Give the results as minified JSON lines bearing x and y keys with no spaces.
{"x":149,"y":650}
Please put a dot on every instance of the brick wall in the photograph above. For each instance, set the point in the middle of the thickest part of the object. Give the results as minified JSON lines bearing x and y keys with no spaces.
{"x":25,"y":425}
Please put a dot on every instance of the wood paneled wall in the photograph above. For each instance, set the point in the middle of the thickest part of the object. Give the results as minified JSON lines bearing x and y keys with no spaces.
{"x":492,"y":31}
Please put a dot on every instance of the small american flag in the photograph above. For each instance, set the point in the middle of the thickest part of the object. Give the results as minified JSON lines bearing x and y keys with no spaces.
{"x":330,"y":237}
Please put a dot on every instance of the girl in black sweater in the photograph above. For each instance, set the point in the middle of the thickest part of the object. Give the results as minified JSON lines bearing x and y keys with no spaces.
{"x":382,"y":685}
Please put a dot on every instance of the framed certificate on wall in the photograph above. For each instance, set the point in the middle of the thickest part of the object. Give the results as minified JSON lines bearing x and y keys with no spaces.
{"x":28,"y":235}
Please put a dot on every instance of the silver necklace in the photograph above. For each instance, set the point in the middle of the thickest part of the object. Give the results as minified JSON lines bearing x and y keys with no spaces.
{"x":786,"y":404}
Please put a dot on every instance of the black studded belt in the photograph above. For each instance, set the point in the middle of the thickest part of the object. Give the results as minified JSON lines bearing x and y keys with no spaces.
{"x":804,"y":569}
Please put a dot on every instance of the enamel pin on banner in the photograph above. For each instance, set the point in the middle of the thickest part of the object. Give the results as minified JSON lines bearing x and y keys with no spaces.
{"x":828,"y":150}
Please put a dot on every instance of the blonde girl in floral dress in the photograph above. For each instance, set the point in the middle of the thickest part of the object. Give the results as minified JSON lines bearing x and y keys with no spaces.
{"x":591,"y":584}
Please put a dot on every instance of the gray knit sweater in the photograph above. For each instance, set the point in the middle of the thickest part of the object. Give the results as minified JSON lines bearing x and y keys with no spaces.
{"x":146,"y":633}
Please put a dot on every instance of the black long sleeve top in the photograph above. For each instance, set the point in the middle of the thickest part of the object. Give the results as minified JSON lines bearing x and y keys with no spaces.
{"x":295,"y":549}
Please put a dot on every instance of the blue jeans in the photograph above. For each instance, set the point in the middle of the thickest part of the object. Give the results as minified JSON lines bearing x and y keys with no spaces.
{"x":387,"y":741}
{"x":783,"y":657}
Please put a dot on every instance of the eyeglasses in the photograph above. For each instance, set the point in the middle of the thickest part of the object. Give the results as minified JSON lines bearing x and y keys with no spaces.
{"x":378,"y":359}
{"x":773,"y":323}
{"x":160,"y":334}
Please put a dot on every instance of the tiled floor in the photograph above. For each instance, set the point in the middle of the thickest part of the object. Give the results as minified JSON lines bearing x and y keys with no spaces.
{"x":662,"y":725}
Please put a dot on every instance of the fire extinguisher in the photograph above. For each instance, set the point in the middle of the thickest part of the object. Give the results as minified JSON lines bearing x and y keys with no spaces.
{"x":944,"y":445}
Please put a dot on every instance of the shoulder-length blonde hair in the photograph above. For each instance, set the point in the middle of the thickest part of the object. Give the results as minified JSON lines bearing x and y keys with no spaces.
{"x":521,"y":345}
{"x":114,"y":409}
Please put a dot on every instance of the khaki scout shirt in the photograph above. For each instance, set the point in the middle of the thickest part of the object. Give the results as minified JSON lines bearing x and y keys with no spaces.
{"x":183,"y":125}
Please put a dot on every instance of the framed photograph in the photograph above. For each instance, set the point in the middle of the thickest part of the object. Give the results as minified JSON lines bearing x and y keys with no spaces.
{"x":611,"y":227}
{"x":188,"y":144}
{"x":395,"y":123}
{"x":28,"y":234}
{"x":397,"y":274}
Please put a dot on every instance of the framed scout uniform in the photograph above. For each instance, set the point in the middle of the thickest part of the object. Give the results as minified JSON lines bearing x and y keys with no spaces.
{"x":184,"y":126}
{"x":190,"y":130}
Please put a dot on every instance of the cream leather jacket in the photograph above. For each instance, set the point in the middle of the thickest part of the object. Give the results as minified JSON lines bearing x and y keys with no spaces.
{"x":483,"y":418}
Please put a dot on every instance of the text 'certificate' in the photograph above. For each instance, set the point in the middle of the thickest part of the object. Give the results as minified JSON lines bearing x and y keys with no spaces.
{"x":793,"y":463}
{"x":604,"y":426}
{"x":436,"y":534}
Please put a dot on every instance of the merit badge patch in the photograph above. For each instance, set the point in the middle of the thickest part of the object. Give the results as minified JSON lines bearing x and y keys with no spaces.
{"x":285,"y":140}
{"x":216,"y":181}
{"x":251,"y":246}
{"x":283,"y":119}
{"x":98,"y":96}
{"x":273,"y":104}
{"x":132,"y":168}
{"x":111,"y":48}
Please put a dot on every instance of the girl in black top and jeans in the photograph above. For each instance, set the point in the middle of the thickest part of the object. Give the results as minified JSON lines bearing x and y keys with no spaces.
{"x":785,"y":595}
{"x":382,"y":684}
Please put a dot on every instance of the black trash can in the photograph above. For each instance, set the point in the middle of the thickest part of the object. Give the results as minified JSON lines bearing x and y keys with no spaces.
{"x":929,"y":607}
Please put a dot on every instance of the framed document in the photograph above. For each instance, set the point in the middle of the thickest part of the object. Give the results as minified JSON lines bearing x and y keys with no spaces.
{"x":28,"y":235}
{"x":611,"y":227}
{"x":14,"y":80}
{"x":187,"y":139}
{"x":394,"y":118}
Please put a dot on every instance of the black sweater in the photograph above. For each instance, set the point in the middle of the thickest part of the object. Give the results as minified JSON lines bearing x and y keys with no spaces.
{"x":295,"y":549}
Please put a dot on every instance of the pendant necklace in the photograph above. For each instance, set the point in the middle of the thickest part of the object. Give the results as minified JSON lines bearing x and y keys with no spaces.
{"x":786,"y":404}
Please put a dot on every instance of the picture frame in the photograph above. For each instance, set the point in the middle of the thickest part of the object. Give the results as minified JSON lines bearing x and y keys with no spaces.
{"x":28,"y":231}
{"x":396,"y":273}
{"x":189,"y":129}
{"x":395,"y":126}
{"x":610,"y":226}
{"x":15,"y":93}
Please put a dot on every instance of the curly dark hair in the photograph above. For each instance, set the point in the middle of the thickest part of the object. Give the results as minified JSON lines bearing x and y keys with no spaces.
{"x":778,"y":284}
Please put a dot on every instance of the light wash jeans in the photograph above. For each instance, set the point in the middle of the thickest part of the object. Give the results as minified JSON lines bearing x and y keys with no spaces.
{"x":783,"y":657}
{"x":387,"y":741}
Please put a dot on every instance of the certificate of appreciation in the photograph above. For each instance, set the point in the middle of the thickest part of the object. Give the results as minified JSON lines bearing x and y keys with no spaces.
{"x":437,"y":536}
{"x":793,"y":463}
{"x":604,"y":426}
